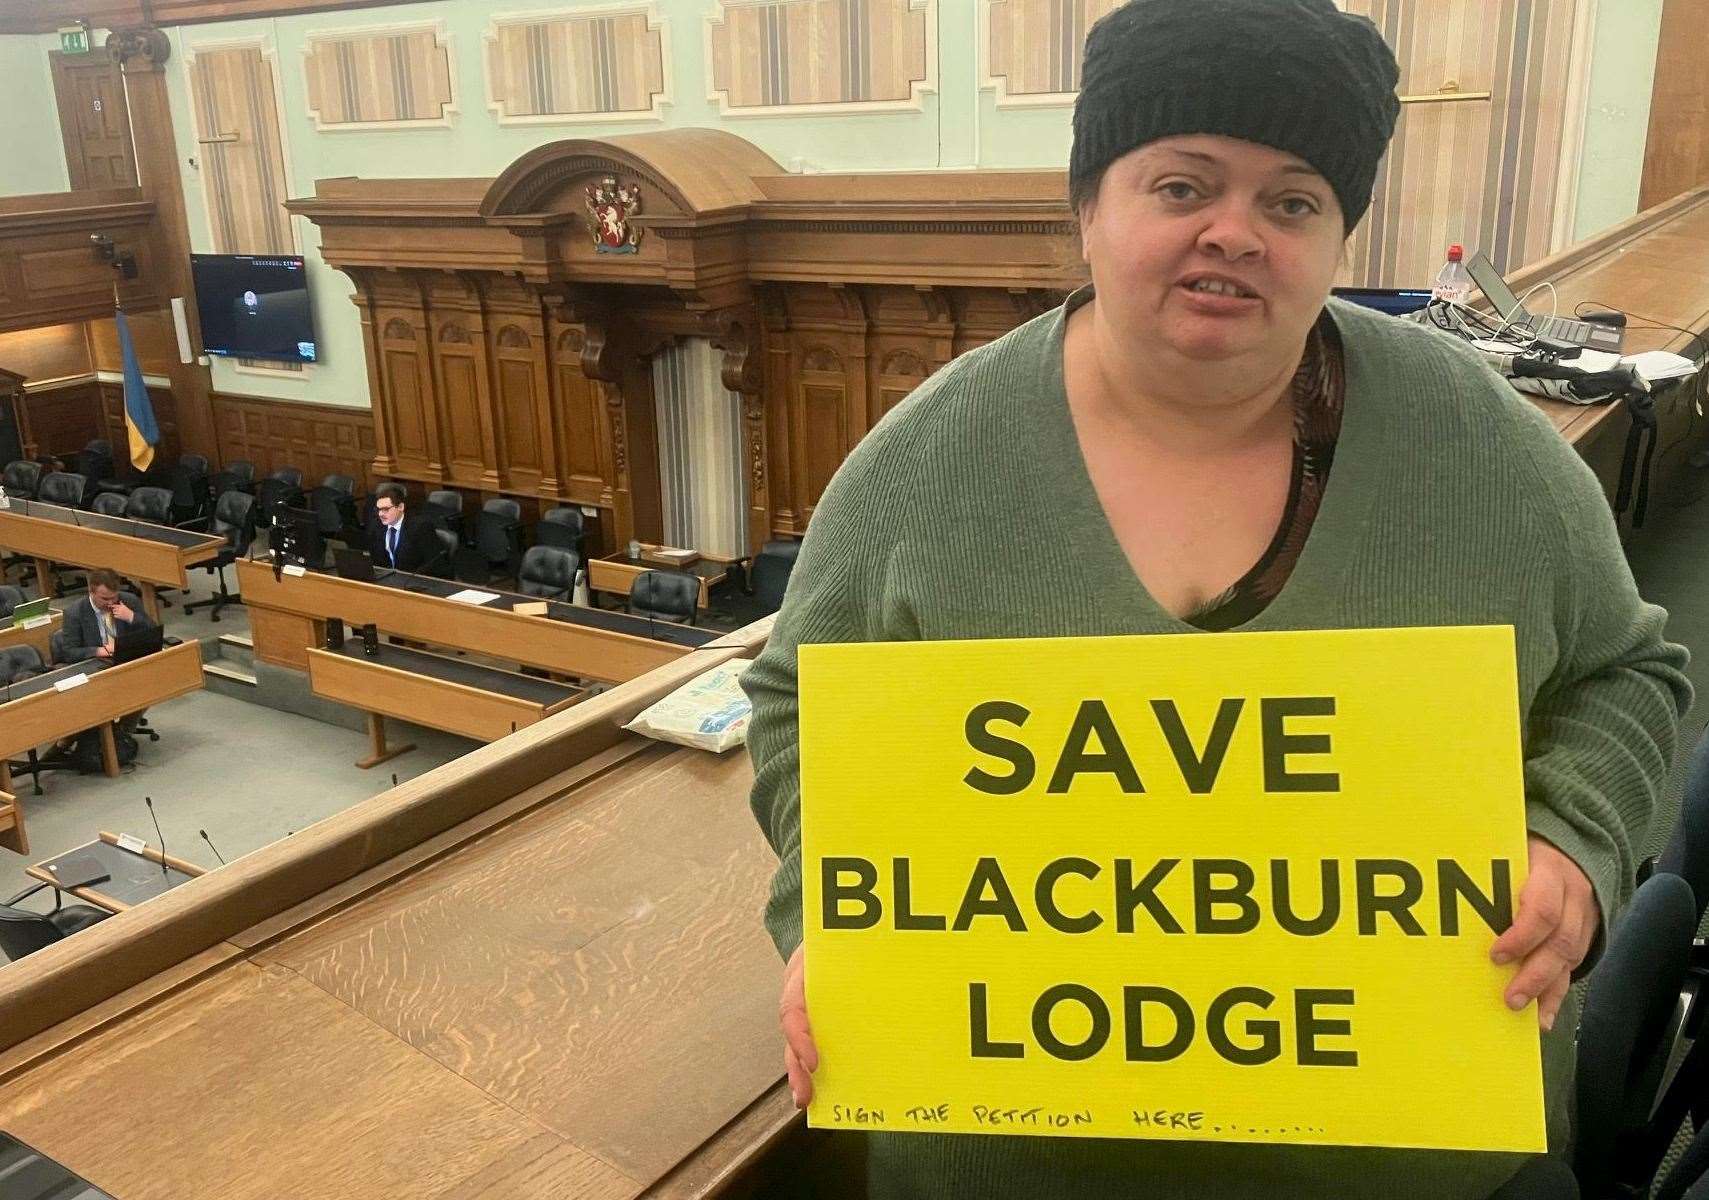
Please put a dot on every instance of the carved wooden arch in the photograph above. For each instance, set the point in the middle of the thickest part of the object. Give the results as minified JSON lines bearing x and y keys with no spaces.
{"x":697,"y":170}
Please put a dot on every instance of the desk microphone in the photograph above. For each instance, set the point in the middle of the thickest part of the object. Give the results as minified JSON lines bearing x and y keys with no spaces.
{"x":211,"y":846}
{"x":148,"y":800}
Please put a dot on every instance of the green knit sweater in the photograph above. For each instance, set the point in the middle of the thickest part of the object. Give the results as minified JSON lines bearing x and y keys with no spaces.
{"x":968,"y":513}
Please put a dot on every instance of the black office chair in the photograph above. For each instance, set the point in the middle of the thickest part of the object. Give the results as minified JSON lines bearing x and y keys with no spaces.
{"x":95,"y":463}
{"x":548,"y":572}
{"x":1643,"y":1062}
{"x":280,"y":490}
{"x":444,"y":564}
{"x":334,"y":505}
{"x":10,"y":598}
{"x":665,"y":596}
{"x":18,"y":663}
{"x":768,"y":576}
{"x":109,"y":504}
{"x":152,"y":504}
{"x":23,"y":932}
{"x":63,"y":487}
{"x":188,"y":481}
{"x":498,"y":534}
{"x":234,"y":520}
{"x":22,"y":478}
{"x":469,"y":565}
{"x":237,"y":475}
{"x":562,"y":527}
{"x":445,"y":509}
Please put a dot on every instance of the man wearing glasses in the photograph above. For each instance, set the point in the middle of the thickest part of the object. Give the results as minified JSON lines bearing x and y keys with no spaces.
{"x":407,"y":544}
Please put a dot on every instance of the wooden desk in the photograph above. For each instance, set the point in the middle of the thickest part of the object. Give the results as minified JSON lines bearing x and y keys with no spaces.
{"x":434,"y":690}
{"x":136,"y":875}
{"x":153,"y":555}
{"x":1655,"y":264}
{"x":288,"y":615}
{"x":13,"y":835}
{"x":39,"y":713}
{"x":616,"y":573}
{"x":41,"y":636}
{"x":536,"y":972}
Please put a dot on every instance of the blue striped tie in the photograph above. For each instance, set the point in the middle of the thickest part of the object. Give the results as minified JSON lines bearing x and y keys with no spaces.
{"x":392,"y":543}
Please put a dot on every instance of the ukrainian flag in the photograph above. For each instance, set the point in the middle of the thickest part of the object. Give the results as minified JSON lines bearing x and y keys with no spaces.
{"x":139,"y":413}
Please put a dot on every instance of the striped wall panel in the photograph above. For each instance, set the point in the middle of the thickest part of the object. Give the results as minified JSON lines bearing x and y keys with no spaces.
{"x":596,"y":65}
{"x":700,"y":451}
{"x":1484,"y":173}
{"x":235,"y":102}
{"x":378,"y":78}
{"x":1033,"y":48}
{"x":772,"y":55}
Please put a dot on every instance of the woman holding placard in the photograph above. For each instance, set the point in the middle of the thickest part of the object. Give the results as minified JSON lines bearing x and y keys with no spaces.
{"x":1202,"y":440}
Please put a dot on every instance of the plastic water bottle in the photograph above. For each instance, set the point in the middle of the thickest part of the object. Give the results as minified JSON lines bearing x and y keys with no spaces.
{"x":1453,"y":281}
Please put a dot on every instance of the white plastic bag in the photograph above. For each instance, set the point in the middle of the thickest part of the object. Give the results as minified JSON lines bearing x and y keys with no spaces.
{"x":709,"y":712}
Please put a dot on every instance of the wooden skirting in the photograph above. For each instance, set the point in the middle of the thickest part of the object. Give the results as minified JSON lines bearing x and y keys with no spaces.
{"x":321,"y":439}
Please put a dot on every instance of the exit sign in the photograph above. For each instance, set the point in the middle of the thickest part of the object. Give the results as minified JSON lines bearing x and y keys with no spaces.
{"x":74,"y":40}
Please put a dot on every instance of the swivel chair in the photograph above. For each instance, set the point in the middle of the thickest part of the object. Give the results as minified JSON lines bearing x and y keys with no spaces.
{"x":561,"y":526}
{"x":444,"y":564}
{"x":22,"y":478}
{"x":23,"y":932}
{"x":444,"y":508}
{"x":498,"y":534}
{"x":665,"y":596}
{"x":153,"y":504}
{"x":769,"y":575}
{"x":280,"y":490}
{"x":63,"y":487}
{"x":234,"y":520}
{"x":548,"y":572}
{"x":109,"y":504}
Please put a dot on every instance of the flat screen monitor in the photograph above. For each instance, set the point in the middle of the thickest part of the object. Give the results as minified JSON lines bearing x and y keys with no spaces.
{"x":1396,"y":302}
{"x":253,"y":306}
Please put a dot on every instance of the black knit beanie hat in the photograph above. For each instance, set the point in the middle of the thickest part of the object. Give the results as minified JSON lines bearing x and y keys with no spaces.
{"x":1298,"y":75}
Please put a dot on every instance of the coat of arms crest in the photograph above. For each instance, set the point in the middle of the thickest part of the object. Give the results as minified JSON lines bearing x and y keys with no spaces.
{"x":609,"y":206}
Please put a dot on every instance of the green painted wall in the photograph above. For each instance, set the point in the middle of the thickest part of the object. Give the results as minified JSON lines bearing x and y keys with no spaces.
{"x":32,"y":156}
{"x":1617,"y":114}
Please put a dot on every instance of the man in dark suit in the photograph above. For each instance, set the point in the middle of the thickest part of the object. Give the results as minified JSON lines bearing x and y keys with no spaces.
{"x":398,"y":540}
{"x":91,"y":624}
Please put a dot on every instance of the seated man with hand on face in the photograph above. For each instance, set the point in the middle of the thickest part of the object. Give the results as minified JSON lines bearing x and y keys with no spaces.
{"x":92,"y":624}
{"x":398,"y":540}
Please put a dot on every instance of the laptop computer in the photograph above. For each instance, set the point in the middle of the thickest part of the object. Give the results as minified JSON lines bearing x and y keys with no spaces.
{"x":353,"y":564}
{"x":133,"y":644}
{"x":1396,"y":302}
{"x":1607,"y":338}
{"x":28,"y":611}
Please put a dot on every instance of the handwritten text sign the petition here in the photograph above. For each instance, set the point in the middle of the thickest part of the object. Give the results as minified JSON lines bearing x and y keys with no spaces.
{"x":1225,"y":887}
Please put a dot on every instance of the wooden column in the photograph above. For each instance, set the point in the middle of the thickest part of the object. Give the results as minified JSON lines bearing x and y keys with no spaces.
{"x":142,"y":53}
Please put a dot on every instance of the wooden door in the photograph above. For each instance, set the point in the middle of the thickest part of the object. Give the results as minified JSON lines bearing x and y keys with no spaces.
{"x":94,"y":120}
{"x":1676,"y":157}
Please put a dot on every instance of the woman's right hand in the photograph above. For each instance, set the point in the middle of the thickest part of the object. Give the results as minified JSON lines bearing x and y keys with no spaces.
{"x":800,"y":1055}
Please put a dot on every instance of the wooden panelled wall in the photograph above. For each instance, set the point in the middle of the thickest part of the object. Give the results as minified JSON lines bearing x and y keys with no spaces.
{"x":479,"y":383}
{"x":319,"y":439}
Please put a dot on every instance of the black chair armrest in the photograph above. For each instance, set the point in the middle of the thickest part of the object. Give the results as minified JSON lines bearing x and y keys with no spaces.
{"x":168,"y":640}
{"x":28,"y":892}
{"x":196,"y":522}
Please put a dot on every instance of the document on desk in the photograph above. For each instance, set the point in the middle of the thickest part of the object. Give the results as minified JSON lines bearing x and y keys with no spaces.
{"x":65,"y":685}
{"x":473,"y":596}
{"x":37,"y":622}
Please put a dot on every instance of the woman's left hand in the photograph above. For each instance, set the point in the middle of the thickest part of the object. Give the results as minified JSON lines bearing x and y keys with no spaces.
{"x":1552,"y":932}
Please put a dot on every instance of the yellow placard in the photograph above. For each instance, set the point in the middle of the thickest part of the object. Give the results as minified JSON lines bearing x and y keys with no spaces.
{"x":1219,"y":887}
